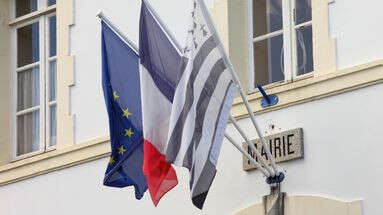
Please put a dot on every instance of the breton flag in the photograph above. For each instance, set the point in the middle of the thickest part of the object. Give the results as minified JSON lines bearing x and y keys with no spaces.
{"x":121,"y":85}
{"x":201,"y":106}
{"x":160,"y":66}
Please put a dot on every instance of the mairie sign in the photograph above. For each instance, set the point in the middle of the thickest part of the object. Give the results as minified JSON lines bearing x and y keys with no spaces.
{"x":284,"y":146}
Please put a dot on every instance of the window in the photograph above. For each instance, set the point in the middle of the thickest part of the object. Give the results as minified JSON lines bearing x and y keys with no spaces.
{"x":34,"y":79}
{"x":51,"y":2}
{"x":281,"y":40}
{"x":24,"y":7}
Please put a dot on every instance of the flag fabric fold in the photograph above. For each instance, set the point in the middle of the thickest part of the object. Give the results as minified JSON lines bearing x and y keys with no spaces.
{"x":201,"y":105}
{"x":121,"y":86}
{"x":159,"y":69}
{"x":166,"y":106}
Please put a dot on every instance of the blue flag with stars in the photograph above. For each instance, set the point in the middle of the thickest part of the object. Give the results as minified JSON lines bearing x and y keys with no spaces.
{"x":121,"y":85}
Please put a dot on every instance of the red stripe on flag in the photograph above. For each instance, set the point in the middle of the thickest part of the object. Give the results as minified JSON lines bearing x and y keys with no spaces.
{"x":160,"y":175}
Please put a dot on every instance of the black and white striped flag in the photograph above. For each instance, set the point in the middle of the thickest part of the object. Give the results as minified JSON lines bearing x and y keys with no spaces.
{"x":201,"y":106}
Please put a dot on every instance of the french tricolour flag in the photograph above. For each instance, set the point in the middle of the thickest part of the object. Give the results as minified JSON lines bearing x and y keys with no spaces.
{"x":160,"y":65}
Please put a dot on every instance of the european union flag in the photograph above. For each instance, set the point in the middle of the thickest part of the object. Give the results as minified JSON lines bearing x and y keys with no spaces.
{"x":121,"y":85}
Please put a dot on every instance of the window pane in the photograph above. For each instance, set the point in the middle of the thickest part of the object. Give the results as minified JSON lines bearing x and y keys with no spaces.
{"x":28,"y":133}
{"x":268,"y":60}
{"x":25,"y":6}
{"x":28,"y":44}
{"x":303,"y":11}
{"x":52,"y":36}
{"x":53,"y":126}
{"x":267,"y":16}
{"x":305,"y":50}
{"x":52,"y":81}
{"x":51,"y":2}
{"x":28,"y":89}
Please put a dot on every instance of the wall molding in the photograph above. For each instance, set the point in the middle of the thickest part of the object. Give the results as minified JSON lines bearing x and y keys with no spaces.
{"x":290,"y":94}
{"x":324,"y":47}
{"x":314,"y":88}
{"x":219,"y":14}
{"x":54,"y":160}
{"x":65,"y":73}
{"x":238,"y":39}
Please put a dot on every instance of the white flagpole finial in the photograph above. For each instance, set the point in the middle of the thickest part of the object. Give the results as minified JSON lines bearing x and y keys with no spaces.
{"x":133,"y":46}
{"x":99,"y":13}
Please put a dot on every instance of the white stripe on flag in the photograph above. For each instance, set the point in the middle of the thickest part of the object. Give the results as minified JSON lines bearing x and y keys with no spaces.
{"x":156,"y":110}
{"x":221,"y":124}
{"x":199,"y":83}
{"x":211,"y":116}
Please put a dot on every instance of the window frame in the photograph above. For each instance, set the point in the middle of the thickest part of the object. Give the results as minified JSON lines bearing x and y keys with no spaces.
{"x":49,"y":104}
{"x":294,"y":27}
{"x":289,"y":44}
{"x":41,"y":16}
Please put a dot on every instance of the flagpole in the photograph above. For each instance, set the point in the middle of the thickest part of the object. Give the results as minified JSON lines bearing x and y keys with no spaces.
{"x":251,"y":145}
{"x":163,"y":25}
{"x":118,"y":32}
{"x":236,"y":145}
{"x":238,"y":83}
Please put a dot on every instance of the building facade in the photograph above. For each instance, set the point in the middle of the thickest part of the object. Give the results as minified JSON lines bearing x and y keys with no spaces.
{"x":322,"y":58}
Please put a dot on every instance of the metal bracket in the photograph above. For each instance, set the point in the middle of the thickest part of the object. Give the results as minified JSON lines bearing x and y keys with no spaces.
{"x":274,"y":203}
{"x":268,"y":100}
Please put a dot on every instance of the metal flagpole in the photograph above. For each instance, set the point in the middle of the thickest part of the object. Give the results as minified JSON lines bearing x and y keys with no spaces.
{"x":163,"y":25}
{"x":259,"y":166}
{"x":118,"y":32}
{"x":239,"y":86}
{"x":251,"y":145}
{"x":267,"y":172}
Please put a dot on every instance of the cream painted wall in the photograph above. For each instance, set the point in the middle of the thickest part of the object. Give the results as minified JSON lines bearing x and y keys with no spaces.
{"x":356,"y":25}
{"x":342,"y":161}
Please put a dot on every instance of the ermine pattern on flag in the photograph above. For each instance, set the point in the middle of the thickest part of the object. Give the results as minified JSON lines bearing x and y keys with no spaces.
{"x":200,"y":110}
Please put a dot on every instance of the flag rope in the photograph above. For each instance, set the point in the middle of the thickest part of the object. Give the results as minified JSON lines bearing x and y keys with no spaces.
{"x":237,"y":82}
{"x":259,"y":166}
{"x":251,"y":145}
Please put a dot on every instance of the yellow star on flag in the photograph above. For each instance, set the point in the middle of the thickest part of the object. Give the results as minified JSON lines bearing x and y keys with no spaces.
{"x":111,"y":160}
{"x":127,"y":113}
{"x":129,"y":132}
{"x":121,"y":150}
{"x":115,"y":96}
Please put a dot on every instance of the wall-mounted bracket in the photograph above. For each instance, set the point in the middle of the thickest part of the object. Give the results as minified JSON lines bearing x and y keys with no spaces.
{"x":274,"y":203}
{"x":268,"y":100}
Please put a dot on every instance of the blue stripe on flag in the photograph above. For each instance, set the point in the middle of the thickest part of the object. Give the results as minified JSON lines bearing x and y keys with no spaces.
{"x":158,"y":55}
